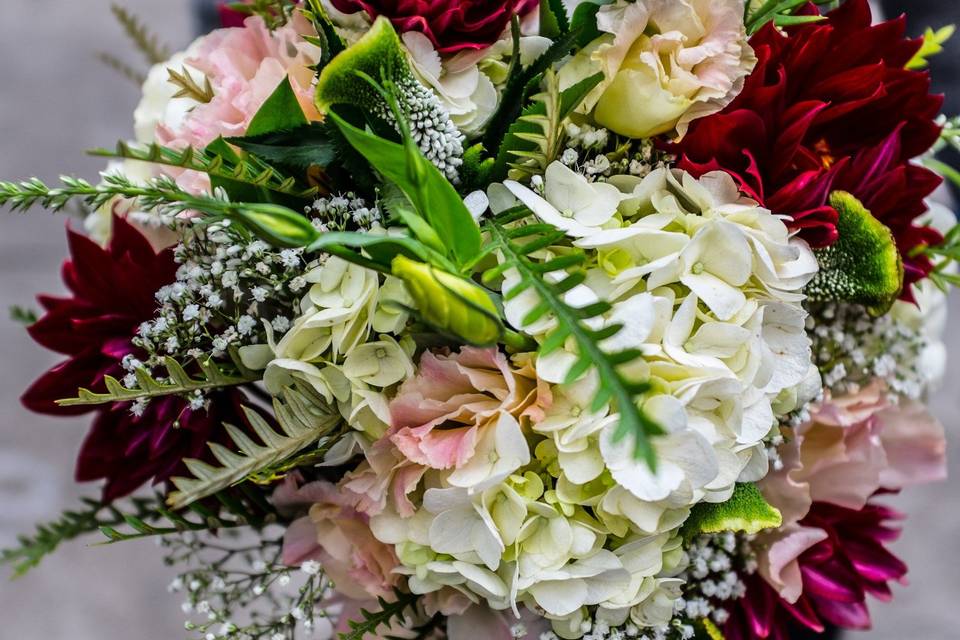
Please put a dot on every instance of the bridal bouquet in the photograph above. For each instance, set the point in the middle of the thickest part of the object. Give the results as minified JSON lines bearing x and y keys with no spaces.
{"x":511,"y":319}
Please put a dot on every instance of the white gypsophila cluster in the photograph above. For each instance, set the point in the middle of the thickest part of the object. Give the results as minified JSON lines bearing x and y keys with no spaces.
{"x":438,"y":138}
{"x":588,"y":152}
{"x":344,"y":342}
{"x":707,"y":285}
{"x":227,"y":287}
{"x":344,"y":211}
{"x":852,"y":348}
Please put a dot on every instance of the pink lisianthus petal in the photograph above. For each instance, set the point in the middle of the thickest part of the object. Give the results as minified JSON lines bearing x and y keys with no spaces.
{"x":780,"y":564}
{"x":915,"y":445}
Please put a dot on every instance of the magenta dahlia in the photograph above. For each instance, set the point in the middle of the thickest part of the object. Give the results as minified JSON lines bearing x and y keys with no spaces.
{"x":838,"y":573}
{"x":451,"y":25}
{"x":111,"y":293}
{"x":829,"y":106}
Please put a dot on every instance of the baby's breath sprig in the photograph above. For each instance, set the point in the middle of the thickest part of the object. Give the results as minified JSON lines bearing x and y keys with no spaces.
{"x":237,"y":588}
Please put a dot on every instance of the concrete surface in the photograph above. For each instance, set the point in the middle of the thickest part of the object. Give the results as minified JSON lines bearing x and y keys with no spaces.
{"x":56,"y":101}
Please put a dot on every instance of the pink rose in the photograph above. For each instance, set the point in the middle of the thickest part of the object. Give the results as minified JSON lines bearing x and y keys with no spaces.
{"x":244,"y":65}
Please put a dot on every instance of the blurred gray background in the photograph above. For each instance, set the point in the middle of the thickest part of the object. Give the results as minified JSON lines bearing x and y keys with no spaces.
{"x":57,"y":100}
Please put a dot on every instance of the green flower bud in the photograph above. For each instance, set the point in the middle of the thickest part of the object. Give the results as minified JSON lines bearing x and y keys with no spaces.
{"x":276,"y":224}
{"x":450,"y":303}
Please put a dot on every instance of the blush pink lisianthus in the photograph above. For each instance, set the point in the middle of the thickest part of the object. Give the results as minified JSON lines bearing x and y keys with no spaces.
{"x":337,"y":536}
{"x":451,"y":25}
{"x":244,"y":66}
{"x":438,"y":415}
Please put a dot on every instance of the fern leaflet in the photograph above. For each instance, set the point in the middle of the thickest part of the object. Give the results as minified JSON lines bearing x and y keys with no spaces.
{"x":304,"y":418}
{"x":247,"y":170}
{"x":178,"y":382}
{"x":389,"y":613}
{"x":571,"y":324}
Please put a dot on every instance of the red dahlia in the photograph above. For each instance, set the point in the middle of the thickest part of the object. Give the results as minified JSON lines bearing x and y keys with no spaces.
{"x":838,"y":573}
{"x":111,"y":293}
{"x":451,"y":25}
{"x":830,"y":106}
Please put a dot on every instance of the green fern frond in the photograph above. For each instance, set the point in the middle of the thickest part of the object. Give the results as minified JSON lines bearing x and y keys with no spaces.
{"x":247,"y":170}
{"x":121,"y":67}
{"x":304,"y":419}
{"x":178,"y":382}
{"x":147,"y":43}
{"x":571,"y":324}
{"x":138,"y":513}
{"x":188,"y":87}
{"x":388,"y":613}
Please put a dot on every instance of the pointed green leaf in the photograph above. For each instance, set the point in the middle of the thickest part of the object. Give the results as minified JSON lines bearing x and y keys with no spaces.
{"x":281,"y":112}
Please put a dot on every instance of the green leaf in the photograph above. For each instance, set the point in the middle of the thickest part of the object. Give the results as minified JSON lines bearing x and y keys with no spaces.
{"x":711,"y":630}
{"x":297,"y":149}
{"x":179,"y":383}
{"x":584,"y":22}
{"x":429,"y":191}
{"x":331,"y":44}
{"x":305,"y":420}
{"x":383,"y":249}
{"x":281,"y":112}
{"x":23,"y":315}
{"x":389,"y":612}
{"x":863,"y":266}
{"x":222,"y":163}
{"x":536,"y":137}
{"x":747,"y":511}
{"x":521,"y":83}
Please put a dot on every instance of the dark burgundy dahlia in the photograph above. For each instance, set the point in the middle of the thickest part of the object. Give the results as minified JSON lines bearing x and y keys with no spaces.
{"x":830,"y":106}
{"x":838,"y":573}
{"x":111,"y":293}
{"x":451,"y":25}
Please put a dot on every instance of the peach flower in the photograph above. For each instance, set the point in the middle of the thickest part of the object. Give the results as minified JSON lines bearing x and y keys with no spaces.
{"x":852,"y":447}
{"x":439,"y":414}
{"x":338,"y":537}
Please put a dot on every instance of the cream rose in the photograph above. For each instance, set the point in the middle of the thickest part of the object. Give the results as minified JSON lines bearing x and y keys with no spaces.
{"x":665,"y":62}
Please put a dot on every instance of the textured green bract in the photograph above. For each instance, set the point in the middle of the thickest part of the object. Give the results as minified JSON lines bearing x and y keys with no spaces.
{"x":747,"y":511}
{"x":379,"y":50}
{"x":864,"y":265}
{"x":304,"y":420}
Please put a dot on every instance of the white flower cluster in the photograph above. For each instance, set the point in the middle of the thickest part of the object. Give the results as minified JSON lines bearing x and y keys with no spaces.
{"x":341,"y":343}
{"x":852,"y":348}
{"x":227,"y":286}
{"x":344,"y":211}
{"x":434,"y":132}
{"x":549,"y":511}
{"x":707,"y":285}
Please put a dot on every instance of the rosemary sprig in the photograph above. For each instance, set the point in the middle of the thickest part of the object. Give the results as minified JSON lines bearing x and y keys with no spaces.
{"x":188,"y":86}
{"x":147,"y":43}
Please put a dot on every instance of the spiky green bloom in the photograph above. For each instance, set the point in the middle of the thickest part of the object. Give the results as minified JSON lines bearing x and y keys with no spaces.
{"x":746,"y":511}
{"x":863,"y":266}
{"x":450,"y":303}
